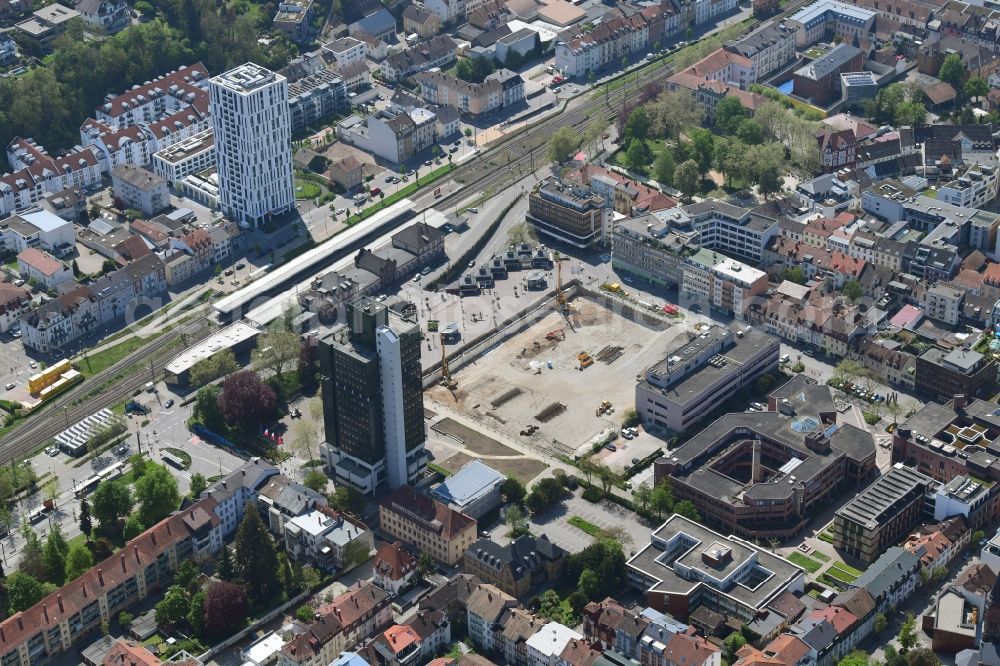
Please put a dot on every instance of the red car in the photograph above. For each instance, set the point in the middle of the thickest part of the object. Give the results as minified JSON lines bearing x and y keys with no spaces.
{"x":376,"y":191}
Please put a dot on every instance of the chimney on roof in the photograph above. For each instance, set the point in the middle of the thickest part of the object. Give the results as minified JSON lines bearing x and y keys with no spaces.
{"x":84,"y":585}
{"x":59,"y":601}
{"x":20,"y":623}
{"x":135,"y":549}
{"x":45,"y":612}
{"x":124,"y":568}
{"x":152,"y":535}
{"x":168,"y":528}
{"x":100,"y":576}
{"x":3,"y":635}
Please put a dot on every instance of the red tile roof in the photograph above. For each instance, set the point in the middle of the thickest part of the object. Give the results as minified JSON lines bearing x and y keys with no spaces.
{"x":41,"y":261}
{"x":393,"y":561}
{"x":447,"y":522}
{"x":840,"y":618}
{"x":130,"y":653}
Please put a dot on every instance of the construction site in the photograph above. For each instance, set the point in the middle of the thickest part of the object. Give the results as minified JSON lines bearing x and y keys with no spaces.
{"x":528,"y":386}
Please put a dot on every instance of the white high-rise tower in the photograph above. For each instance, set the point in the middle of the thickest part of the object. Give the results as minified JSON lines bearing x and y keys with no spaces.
{"x":253,"y":135}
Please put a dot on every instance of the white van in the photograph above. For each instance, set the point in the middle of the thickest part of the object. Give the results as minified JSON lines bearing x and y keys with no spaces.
{"x":150,"y":387}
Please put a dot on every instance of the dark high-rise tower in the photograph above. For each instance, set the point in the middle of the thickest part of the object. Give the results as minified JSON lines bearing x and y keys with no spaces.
{"x":373,"y":404}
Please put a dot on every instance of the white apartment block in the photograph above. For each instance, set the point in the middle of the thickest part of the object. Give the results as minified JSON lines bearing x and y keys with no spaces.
{"x":944,"y":303}
{"x":252,"y":126}
{"x":38,"y":174}
{"x":973,"y":188}
{"x":827,"y":19}
{"x":192,"y":155}
{"x":345,"y":51}
{"x":450,"y":11}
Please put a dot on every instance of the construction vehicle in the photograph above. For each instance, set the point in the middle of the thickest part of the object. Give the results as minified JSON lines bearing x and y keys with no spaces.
{"x":604,"y":408}
{"x":446,"y":378}
{"x":585,"y":360}
{"x":557,"y":334}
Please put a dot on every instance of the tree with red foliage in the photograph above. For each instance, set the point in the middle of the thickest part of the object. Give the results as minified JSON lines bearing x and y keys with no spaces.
{"x":246,"y":401}
{"x":225,"y":608}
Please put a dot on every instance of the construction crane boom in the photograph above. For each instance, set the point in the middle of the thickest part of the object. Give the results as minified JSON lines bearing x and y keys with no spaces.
{"x":446,"y":379}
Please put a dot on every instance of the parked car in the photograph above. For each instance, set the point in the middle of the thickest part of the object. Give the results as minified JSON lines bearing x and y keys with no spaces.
{"x":426,"y":271}
{"x":32,"y":365}
{"x":611,"y":447}
{"x":169,"y":403}
{"x":9,"y":385}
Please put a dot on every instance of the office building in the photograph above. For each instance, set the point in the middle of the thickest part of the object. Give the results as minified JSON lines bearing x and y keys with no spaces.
{"x":373,"y":407}
{"x":253,"y":137}
{"x":568,"y":214}
{"x":766,"y":474}
{"x":686,"y":566}
{"x":883,"y":513}
{"x":474,"y":490}
{"x":944,"y":374}
{"x":697,"y":375}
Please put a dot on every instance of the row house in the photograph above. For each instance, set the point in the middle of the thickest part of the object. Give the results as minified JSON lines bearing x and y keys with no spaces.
{"x":339,"y":625}
{"x":83,"y":310}
{"x":618,"y":37}
{"x":722,"y":65}
{"x":484,"y":609}
{"x":328,"y":539}
{"x":497,"y":91}
{"x":894,"y":367}
{"x":136,"y":144}
{"x":14,"y":302}
{"x":436,"y":52}
{"x":770,"y":48}
{"x":417,"y":642}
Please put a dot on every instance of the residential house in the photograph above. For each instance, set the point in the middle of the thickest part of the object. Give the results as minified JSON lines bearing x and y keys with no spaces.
{"x":328,"y":539}
{"x":484,"y":608}
{"x":14,"y":301}
{"x":546,"y":647}
{"x":436,"y":52}
{"x":421,"y":22}
{"x":109,"y":16}
{"x":348,"y":172}
{"x":394,"y":567}
{"x":40,"y":268}
{"x":135,"y":187}
{"x":499,"y":90}
{"x":891,"y":579}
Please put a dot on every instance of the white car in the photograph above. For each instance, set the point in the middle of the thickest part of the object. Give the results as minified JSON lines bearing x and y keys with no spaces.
{"x":416,"y":278}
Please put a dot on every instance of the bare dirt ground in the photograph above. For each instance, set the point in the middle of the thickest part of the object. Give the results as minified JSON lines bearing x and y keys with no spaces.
{"x":533,"y":381}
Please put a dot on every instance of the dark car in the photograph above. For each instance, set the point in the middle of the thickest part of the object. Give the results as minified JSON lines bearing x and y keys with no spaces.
{"x":169,"y":403}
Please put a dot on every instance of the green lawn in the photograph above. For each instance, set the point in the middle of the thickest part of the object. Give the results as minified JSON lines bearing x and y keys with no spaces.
{"x":822,"y":557}
{"x":849,"y":569}
{"x":656,"y":146}
{"x":588,"y":527}
{"x":306,"y":190}
{"x":843,"y":576}
{"x":930,"y":194}
{"x":437,"y":468}
{"x":104,"y":359}
{"x":807,"y":563}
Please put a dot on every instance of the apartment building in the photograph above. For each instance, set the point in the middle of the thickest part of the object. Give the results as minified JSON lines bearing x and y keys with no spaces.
{"x":437,"y":52}
{"x":944,"y":374}
{"x":498,"y":91}
{"x":394,"y":567}
{"x":417,"y":20}
{"x":254,"y":167}
{"x":769,"y":49}
{"x":14,"y":301}
{"x":944,"y":303}
{"x":339,"y":625}
{"x":44,"y":175}
{"x":395,"y":136}
{"x":974,"y":186}
{"x":517,"y":568}
{"x":484,"y":608}
{"x":883,"y":513}
{"x":38,"y":228}
{"x":45,"y":25}
{"x":294,"y":18}
{"x":698,"y":374}
{"x":192,"y":155}
{"x":328,"y":539}
{"x":647,"y":248}
{"x":569,"y":214}
{"x":726,"y":285}
{"x":315,"y":97}
{"x":428,"y":525}
{"x":138,"y":188}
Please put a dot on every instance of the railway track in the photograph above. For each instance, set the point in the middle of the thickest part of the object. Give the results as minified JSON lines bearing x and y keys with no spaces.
{"x":24,"y":440}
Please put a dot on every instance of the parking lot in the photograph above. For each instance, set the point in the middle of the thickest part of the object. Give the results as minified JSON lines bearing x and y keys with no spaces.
{"x":606,"y":515}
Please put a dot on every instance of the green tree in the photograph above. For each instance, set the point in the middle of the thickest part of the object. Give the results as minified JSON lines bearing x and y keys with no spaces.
{"x":922,"y":657}
{"x":277,"y":350}
{"x":157,"y":494}
{"x":305,"y":613}
{"x":750,"y":132}
{"x":662,"y":499}
{"x":734,"y":642}
{"x":217,"y":365}
{"x":664,"y":167}
{"x":517,"y":521}
{"x":769,"y":181}
{"x":880,"y":623}
{"x":78,"y":561}
{"x":112,"y":500}
{"x":588,"y":584}
{"x":174,"y":607}
{"x":855,"y":658}
{"x":853,"y":290}
{"x":198,"y":484}
{"x":32,"y":555}
{"x":907,"y":634}
{"x":55,"y":553}
{"x":952,"y":70}
{"x":255,"y":561}
{"x":512,"y":490}
{"x":224,"y":567}
{"x":315,"y":479}
{"x":347,"y":499}
{"x":687,"y":178}
{"x":686,"y":508}
{"x":642,"y":495}
{"x":638,"y":155}
{"x":637,"y":126}
{"x":196,"y":613}
{"x":976,"y":87}
{"x":86,"y":525}
{"x":563,"y":143}
{"x":133,"y":527}
{"x":911,"y":113}
{"x":794,"y":274}
{"x":206,"y":408}
{"x":425,"y":565}
{"x":703,"y":145}
{"x":23,"y":591}
{"x":729,"y":114}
